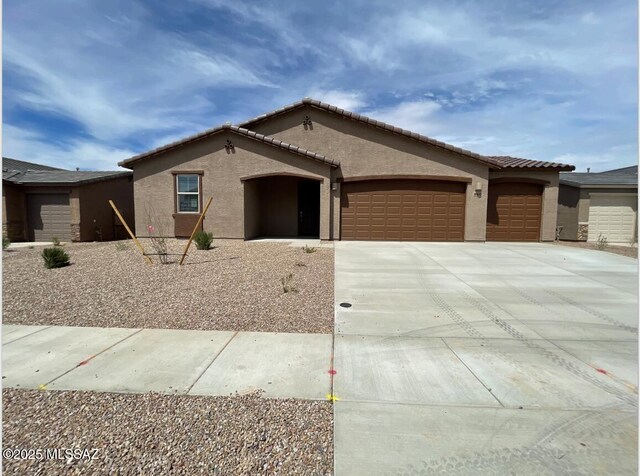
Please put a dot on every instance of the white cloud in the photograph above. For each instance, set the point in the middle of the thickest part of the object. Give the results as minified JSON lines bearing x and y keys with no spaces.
{"x":349,"y":100}
{"x":589,"y":18}
{"x":417,"y":116}
{"x":102,"y":75}
{"x":87,"y":154}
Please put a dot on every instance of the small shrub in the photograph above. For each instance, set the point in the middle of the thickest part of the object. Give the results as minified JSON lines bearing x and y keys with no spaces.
{"x":55,"y":257}
{"x":287,"y":284}
{"x":5,"y":242}
{"x":56,"y":241}
{"x":309,"y":249}
{"x":203,"y":240}
{"x":300,"y":264}
{"x":602,"y":242}
{"x":121,"y":246}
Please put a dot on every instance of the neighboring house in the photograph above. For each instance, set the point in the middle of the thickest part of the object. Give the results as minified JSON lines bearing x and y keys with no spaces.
{"x":599,"y":204}
{"x":41,"y":202}
{"x":312,"y":169}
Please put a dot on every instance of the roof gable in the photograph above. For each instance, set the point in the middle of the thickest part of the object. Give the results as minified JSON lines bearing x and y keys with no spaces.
{"x":236,"y":130}
{"x":371,"y":122}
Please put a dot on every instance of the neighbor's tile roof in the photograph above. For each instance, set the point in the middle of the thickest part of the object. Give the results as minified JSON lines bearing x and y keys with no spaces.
{"x":63,"y":177}
{"x":627,"y":176}
{"x":507,"y":162}
{"x":29,"y":173}
{"x":22,"y":166}
{"x":238,"y":130}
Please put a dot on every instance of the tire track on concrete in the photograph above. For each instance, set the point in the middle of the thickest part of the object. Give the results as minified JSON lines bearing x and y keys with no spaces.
{"x":552,"y":356}
{"x":488,"y":351}
{"x":594,"y":313}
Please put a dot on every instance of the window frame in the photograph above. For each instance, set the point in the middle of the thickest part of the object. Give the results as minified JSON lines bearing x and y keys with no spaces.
{"x":177,"y":193}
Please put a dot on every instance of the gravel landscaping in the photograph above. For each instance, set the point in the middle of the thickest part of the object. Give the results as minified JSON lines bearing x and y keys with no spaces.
{"x":236,"y":286}
{"x":629,"y":251}
{"x":160,"y":434}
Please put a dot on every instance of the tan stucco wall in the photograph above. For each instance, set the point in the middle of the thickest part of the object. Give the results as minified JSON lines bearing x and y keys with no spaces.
{"x":14,"y":213}
{"x":95,"y":211}
{"x":154,"y":182}
{"x":364,"y":151}
{"x":568,"y":201}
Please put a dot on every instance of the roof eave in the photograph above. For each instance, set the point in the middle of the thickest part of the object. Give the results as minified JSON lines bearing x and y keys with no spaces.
{"x":599,"y":185}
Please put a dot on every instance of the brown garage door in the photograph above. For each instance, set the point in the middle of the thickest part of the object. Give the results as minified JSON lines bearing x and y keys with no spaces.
{"x":514,"y":211}
{"x":403,"y":210}
{"x":49,"y":215}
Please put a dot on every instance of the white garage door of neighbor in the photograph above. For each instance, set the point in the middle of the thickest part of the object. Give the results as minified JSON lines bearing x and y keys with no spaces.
{"x":613,"y":216}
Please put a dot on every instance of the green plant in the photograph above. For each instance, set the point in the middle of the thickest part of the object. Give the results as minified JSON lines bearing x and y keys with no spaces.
{"x":602,"y":242}
{"x":300,"y":264}
{"x":55,"y":240}
{"x":287,"y":284}
{"x":121,"y":246}
{"x":55,"y":257}
{"x":309,"y":249}
{"x":203,"y":240}
{"x":5,"y":242}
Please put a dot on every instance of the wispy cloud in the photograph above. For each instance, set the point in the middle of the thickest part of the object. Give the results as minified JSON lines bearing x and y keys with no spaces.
{"x":349,"y":100}
{"x":537,"y":79}
{"x":85,"y":154}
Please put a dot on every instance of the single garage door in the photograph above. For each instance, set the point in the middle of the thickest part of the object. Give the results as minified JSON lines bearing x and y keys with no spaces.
{"x":403,"y":210}
{"x":613,"y":216}
{"x":49,"y":215}
{"x":514,"y":211}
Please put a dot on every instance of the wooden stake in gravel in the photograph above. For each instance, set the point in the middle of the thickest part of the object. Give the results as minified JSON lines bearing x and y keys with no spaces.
{"x":195,"y":229}
{"x":133,"y":237}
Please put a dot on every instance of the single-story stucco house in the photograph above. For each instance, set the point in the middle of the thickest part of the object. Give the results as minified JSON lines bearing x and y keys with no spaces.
{"x":314,"y":170}
{"x":41,"y":202}
{"x":603,"y":204}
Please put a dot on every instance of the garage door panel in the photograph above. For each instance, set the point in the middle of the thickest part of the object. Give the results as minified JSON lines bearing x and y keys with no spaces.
{"x":404,"y":210}
{"x":48,"y":215}
{"x":613,"y":216}
{"x":514,"y":211}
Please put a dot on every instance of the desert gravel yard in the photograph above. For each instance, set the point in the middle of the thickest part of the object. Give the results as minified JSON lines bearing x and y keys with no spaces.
{"x":235,"y":286}
{"x":158,"y":434}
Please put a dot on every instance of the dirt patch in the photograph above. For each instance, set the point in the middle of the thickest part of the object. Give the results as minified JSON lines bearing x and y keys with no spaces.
{"x":167,"y":434}
{"x":629,"y":251}
{"x":236,"y":286}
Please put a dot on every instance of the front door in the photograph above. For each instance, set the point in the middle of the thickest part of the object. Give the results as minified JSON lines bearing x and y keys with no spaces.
{"x":309,"y":208}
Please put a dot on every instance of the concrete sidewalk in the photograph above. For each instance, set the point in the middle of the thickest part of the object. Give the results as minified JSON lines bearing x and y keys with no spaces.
{"x":166,"y":361}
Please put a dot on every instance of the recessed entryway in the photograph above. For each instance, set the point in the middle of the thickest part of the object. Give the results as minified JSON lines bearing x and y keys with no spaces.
{"x":282,"y":206}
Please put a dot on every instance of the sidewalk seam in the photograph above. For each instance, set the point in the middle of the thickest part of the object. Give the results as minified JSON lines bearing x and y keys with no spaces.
{"x":92,"y":357}
{"x":34,"y":332}
{"x":472,"y":373}
{"x":212,"y":361}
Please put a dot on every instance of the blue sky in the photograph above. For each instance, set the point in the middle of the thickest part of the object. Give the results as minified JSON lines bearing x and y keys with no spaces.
{"x":88,"y":83}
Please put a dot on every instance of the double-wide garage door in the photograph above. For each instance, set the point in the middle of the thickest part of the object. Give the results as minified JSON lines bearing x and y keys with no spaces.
{"x":49,"y":215}
{"x":403,"y":210}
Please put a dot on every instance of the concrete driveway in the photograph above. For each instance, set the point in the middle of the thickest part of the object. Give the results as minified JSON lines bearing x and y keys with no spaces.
{"x":485,"y":359}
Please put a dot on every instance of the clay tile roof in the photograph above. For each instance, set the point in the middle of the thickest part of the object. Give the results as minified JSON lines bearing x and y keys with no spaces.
{"x":508,"y":162}
{"x":238,"y":130}
{"x":373,"y":122}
